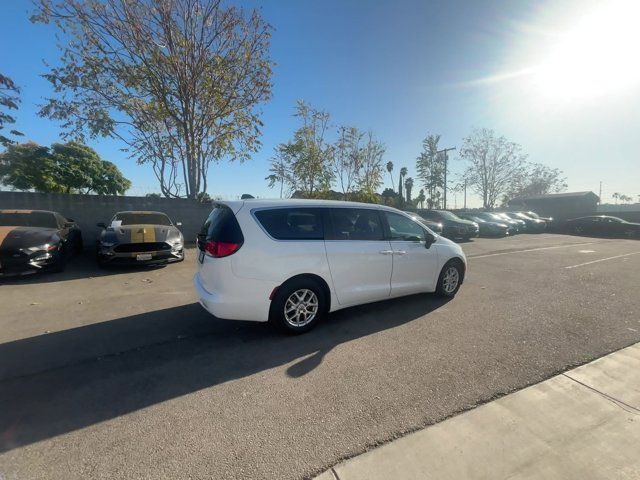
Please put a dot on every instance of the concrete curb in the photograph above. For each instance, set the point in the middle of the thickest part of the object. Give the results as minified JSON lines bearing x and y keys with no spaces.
{"x":582,"y":424}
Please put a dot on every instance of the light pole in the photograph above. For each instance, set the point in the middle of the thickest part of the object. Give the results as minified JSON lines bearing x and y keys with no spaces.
{"x":445,"y":150}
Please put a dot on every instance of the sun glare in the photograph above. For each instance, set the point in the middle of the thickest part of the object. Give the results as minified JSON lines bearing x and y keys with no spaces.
{"x":599,"y":55}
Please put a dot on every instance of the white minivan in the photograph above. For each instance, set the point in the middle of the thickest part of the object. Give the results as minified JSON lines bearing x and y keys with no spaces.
{"x":291,"y":262}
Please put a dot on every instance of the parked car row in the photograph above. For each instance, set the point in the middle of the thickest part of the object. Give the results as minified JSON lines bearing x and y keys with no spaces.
{"x":35,"y":240}
{"x":467,"y":225}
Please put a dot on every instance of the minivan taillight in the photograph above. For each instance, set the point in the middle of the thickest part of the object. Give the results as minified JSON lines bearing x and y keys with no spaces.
{"x":220,"y":249}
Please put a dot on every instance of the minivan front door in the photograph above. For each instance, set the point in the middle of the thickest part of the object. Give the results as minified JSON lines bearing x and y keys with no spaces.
{"x":360,"y":259}
{"x":415,"y":267}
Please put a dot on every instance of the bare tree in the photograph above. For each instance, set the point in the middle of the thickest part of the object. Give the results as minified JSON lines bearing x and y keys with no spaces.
{"x":178,"y":81}
{"x":535,"y":179}
{"x":493,"y":163}
{"x":348,"y":159}
{"x":372,"y":171}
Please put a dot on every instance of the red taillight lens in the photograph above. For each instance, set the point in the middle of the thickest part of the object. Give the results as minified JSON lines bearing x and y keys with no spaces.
{"x":220,"y":249}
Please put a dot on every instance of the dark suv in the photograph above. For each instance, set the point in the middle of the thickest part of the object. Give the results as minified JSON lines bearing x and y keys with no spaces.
{"x":453,"y":226}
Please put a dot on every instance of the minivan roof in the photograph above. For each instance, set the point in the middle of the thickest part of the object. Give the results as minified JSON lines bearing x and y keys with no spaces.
{"x":235,"y":205}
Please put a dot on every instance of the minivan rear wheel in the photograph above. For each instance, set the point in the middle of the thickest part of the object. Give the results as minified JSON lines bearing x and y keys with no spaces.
{"x":450,"y":278}
{"x":298,"y":306}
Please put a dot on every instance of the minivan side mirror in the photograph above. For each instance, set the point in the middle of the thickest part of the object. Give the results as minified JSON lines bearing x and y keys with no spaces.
{"x":429,"y":239}
{"x":101,"y":225}
{"x":69,"y":224}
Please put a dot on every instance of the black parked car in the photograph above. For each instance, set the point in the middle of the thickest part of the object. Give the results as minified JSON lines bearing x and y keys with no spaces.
{"x":453,"y":226}
{"x":435,"y":227}
{"x":139,"y":237}
{"x":603,"y":225}
{"x":35,"y":240}
{"x":534,"y":225}
{"x":487,"y":228}
{"x":513,"y":226}
{"x":535,"y":215}
{"x":521,"y":224}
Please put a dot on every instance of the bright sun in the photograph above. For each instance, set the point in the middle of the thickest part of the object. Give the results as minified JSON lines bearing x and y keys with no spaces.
{"x":598,"y":55}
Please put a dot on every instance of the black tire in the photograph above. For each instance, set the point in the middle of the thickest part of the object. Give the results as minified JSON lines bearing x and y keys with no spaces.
{"x":298,"y":287}
{"x":61,"y":260}
{"x":101,"y":263}
{"x":442,"y":289}
{"x":79,"y":246}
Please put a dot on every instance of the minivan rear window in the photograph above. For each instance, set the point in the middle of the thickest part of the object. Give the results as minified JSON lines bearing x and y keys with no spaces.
{"x":292,"y":223}
{"x":220,"y":226}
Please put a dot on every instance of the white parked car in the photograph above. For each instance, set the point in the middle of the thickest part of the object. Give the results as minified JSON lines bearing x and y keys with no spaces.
{"x":293,"y":261}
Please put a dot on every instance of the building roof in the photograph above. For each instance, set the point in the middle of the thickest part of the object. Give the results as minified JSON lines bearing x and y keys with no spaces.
{"x":552,"y":196}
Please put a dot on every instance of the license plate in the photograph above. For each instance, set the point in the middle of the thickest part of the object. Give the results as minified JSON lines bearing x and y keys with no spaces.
{"x":201,"y":257}
{"x":143,"y":256}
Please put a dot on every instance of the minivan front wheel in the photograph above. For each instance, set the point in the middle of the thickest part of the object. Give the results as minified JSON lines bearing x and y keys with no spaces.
{"x":298,"y":306}
{"x":450,"y":278}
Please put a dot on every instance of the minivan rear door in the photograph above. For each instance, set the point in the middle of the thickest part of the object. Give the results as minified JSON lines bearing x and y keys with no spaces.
{"x":359,"y":256}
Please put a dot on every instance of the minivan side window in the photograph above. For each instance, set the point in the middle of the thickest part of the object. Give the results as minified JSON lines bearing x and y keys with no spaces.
{"x":356,"y":224}
{"x":403,"y":228}
{"x":292,"y":223}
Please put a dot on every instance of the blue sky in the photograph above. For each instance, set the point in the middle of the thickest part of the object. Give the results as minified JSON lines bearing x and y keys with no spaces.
{"x":403,"y":69}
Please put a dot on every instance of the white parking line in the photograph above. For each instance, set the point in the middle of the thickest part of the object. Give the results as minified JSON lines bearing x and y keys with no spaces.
{"x":529,"y":250}
{"x":601,"y":260}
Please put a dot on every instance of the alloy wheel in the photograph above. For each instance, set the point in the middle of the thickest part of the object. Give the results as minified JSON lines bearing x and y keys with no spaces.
{"x":301,"y":307}
{"x":450,"y":280}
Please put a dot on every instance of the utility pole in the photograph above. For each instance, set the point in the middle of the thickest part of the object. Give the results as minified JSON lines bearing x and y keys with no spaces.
{"x":465,"y":193}
{"x":600,"y":194}
{"x":445,"y":150}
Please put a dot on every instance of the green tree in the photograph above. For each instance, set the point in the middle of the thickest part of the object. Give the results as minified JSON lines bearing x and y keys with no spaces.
{"x":28,"y":166}
{"x":389,"y":197}
{"x":370,"y":178}
{"x":408,"y":186}
{"x":67,"y":168}
{"x":305,"y":163}
{"x":179,"y":82}
{"x":9,"y":100}
{"x":430,"y":169}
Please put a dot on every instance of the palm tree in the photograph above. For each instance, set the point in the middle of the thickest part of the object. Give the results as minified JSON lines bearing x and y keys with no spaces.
{"x":616,"y":196}
{"x":408,"y":185}
{"x":403,"y":173}
{"x":390,"y":170}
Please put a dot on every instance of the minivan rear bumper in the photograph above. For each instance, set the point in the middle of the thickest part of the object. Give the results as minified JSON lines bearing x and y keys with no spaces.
{"x":225,"y":307}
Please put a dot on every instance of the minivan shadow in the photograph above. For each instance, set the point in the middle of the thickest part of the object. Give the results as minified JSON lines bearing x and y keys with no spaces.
{"x":85,"y":390}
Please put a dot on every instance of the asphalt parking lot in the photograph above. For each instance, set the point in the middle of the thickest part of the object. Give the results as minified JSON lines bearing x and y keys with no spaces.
{"x":120,"y":374}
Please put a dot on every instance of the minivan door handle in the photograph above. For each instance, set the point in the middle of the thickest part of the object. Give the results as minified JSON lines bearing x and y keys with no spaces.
{"x":386,"y":252}
{"x":400,"y":252}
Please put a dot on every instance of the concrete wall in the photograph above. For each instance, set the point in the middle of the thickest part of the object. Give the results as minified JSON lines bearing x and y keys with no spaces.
{"x":87,"y":210}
